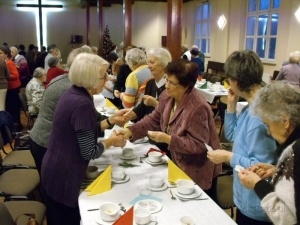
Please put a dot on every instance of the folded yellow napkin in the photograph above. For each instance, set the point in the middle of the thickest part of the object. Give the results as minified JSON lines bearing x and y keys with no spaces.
{"x":226,"y":85}
{"x":109,"y":103}
{"x":175,"y":173}
{"x":101,"y":184}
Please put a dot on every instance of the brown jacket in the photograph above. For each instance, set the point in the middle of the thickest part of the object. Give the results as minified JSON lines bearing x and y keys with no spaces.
{"x":191,"y":126}
{"x":4,"y":74}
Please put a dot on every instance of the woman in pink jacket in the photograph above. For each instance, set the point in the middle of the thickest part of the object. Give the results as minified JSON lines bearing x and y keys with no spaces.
{"x":184,"y":121}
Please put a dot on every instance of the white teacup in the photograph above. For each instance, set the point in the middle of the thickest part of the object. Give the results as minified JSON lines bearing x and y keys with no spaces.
{"x":143,"y":216}
{"x":109,"y":211}
{"x":187,"y":220}
{"x":118,"y":173}
{"x":155,"y":157}
{"x":127,"y":152}
{"x":156,"y":181}
{"x":111,"y":110}
{"x":185,"y":187}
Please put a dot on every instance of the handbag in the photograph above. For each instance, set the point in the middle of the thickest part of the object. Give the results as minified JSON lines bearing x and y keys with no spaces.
{"x":31,"y":220}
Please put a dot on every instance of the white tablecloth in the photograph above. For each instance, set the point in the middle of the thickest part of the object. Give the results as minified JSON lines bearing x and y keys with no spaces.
{"x":210,"y":95}
{"x":204,"y":211}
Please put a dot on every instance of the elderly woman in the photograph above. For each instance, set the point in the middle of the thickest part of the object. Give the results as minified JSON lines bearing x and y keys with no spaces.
{"x":12,"y":100}
{"x":35,"y":90}
{"x":184,"y":121}
{"x":252,"y":143}
{"x":290,"y":73}
{"x":278,"y":106}
{"x":137,"y":79}
{"x":73,"y":140}
{"x":158,"y":59}
{"x":22,"y":66}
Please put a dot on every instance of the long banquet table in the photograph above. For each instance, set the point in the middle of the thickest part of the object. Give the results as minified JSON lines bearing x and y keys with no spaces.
{"x":203,"y":211}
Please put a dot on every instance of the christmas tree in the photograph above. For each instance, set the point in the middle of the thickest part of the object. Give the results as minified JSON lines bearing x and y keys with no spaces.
{"x":107,"y":43}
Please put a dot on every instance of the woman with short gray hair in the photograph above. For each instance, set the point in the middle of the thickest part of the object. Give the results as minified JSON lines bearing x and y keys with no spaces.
{"x":278,"y":105}
{"x":137,"y":79}
{"x":290,"y":73}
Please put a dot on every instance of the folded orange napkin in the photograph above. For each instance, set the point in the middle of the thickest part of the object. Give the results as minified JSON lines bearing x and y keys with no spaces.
{"x":109,"y":103}
{"x":101,"y":184}
{"x":126,"y":219}
{"x":155,"y":150}
{"x":175,"y":173}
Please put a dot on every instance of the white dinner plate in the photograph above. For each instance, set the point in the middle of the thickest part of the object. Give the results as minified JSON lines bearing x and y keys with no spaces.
{"x":163,"y":161}
{"x":126,"y":178}
{"x":195,"y":194}
{"x":149,"y":187}
{"x":127,"y":158}
{"x":152,"y":205}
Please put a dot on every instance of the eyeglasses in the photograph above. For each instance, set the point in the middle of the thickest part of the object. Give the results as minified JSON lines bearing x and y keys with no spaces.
{"x":172,"y":84}
{"x":103,"y":78}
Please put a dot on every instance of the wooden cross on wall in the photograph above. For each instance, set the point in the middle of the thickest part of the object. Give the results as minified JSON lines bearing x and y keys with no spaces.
{"x":40,"y":6}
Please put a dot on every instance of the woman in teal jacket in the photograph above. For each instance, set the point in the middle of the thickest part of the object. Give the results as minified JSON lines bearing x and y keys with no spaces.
{"x":252,"y":143}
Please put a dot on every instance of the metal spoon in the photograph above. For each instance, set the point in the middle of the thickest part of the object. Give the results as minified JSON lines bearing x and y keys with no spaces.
{"x":173,"y":198}
{"x":141,"y":161}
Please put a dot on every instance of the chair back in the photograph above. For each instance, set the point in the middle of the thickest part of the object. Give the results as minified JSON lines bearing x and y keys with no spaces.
{"x":5,"y":218}
{"x":215,"y":78}
{"x":23,"y":100}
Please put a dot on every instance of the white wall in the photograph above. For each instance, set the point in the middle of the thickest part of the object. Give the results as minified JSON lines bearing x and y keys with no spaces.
{"x":149,"y":23}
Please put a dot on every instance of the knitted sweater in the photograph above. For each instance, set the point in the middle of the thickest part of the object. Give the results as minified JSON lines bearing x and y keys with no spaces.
{"x":281,"y":197}
{"x":40,"y":132}
{"x":63,"y":165}
{"x":135,"y":86}
{"x":252,"y":144}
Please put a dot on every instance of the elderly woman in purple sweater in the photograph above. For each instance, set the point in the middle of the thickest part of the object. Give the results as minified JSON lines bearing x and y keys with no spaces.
{"x":73,"y":140}
{"x":184,"y":121}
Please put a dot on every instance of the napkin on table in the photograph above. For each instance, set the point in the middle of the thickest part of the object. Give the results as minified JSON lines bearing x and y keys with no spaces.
{"x":204,"y":86}
{"x":101,"y":184}
{"x":126,"y":218}
{"x":175,"y":173}
{"x":226,"y":85}
{"x":109,"y":103}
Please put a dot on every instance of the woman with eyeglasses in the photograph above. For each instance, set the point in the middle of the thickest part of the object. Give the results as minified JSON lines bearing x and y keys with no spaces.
{"x":184,"y":121}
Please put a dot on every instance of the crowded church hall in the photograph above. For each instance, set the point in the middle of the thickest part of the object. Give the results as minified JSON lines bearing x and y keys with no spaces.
{"x":149,"y":112}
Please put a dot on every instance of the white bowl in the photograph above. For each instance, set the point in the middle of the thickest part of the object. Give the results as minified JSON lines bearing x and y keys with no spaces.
{"x":127,"y":152}
{"x":156,"y":181}
{"x":155,"y":156}
{"x":185,"y":187}
{"x":109,"y":211}
{"x":118,"y":173}
{"x":187,"y":220}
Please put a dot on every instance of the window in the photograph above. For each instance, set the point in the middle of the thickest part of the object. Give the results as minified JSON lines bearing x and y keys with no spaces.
{"x":261,"y":27}
{"x":202,"y":27}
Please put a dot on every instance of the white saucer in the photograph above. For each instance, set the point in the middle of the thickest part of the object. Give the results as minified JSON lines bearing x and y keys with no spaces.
{"x":164,"y":187}
{"x":142,"y":140}
{"x":127,"y":158}
{"x":196,"y":194}
{"x":152,"y":205}
{"x":127,"y":178}
{"x":98,"y":220}
{"x":155,"y":163}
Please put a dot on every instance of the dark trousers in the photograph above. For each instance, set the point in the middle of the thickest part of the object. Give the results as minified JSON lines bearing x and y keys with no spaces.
{"x":59,"y":214}
{"x":38,"y":153}
{"x":241,"y":219}
{"x":12,"y":103}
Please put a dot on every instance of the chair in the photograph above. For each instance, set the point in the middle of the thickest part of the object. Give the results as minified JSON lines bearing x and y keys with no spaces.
{"x":215,"y":78}
{"x":275,"y":74}
{"x":15,"y":158}
{"x":18,"y":183}
{"x":16,"y":210}
{"x":30,"y":117}
{"x":223,"y":191}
